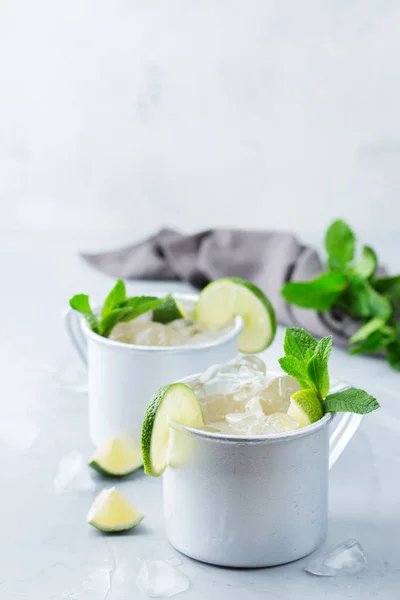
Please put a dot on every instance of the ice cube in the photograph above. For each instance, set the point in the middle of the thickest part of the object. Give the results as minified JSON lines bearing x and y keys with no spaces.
{"x":279,"y":423}
{"x":244,"y":424}
{"x":152,"y":334}
{"x":125,"y":332}
{"x":244,"y":368}
{"x":181,"y":324}
{"x":200,"y":338}
{"x":347,"y":557}
{"x":233,"y":418}
{"x":199,"y":390}
{"x":254,"y":407}
{"x":158,"y":579}
{"x":249,"y":389}
{"x":209,"y":373}
{"x":276,"y":394}
{"x":221,"y":387}
{"x":72,"y":473}
{"x":216,"y":406}
{"x":253,"y":363}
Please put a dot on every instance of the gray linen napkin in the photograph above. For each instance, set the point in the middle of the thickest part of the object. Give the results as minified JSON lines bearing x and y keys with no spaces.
{"x":268,"y":258}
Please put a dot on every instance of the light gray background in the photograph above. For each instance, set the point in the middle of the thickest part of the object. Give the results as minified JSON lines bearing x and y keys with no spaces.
{"x":125,"y":114}
{"x":117,"y":117}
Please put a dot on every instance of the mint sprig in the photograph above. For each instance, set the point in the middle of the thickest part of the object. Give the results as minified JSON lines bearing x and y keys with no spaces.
{"x":119,"y":308}
{"x":81,"y":303}
{"x":306,"y":360}
{"x":351,"y":285}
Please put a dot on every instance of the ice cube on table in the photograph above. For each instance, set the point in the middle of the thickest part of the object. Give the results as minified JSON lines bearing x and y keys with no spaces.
{"x":73,"y":473}
{"x":158,"y":579}
{"x":347,"y":557}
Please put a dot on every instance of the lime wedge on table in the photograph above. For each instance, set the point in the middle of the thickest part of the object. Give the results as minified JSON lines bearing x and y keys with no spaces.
{"x":118,"y":456}
{"x":305,"y":408}
{"x":176,"y":402}
{"x":223,"y":299}
{"x":111,"y":511}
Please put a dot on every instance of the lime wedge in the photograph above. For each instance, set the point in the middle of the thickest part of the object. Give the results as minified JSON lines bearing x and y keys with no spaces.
{"x":305,"y":408}
{"x":223,"y":299}
{"x":117,"y":456}
{"x":172,"y":403}
{"x":111,"y":511}
{"x":167,"y":312}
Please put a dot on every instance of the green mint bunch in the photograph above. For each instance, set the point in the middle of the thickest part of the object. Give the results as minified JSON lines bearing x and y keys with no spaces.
{"x":351,"y":284}
{"x":306,"y":360}
{"x":118,"y":308}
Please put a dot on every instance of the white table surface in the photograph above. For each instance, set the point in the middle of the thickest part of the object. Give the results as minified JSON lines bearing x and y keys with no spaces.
{"x":48,"y":550}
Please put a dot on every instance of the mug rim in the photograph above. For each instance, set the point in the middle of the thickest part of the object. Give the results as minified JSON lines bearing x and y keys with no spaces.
{"x":268,"y":438}
{"x":230,"y":335}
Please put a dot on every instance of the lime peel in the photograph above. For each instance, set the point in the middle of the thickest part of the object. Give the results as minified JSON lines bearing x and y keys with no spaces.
{"x":223,"y":299}
{"x":117,"y":457}
{"x":112,"y":511}
{"x":305,"y":407}
{"x":176,"y":402}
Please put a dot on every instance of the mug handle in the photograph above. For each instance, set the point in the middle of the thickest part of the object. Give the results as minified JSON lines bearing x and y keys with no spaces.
{"x":72,"y":321}
{"x":342,"y":434}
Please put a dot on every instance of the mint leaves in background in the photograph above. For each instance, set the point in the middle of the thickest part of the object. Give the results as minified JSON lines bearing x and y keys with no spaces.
{"x":118,"y":308}
{"x":351,"y":284}
{"x":306,"y":360}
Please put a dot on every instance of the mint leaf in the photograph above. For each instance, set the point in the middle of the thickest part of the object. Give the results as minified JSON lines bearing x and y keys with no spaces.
{"x":132,"y":308}
{"x":114,"y":298}
{"x":367,"y":329}
{"x":367,"y":263}
{"x":393,"y":355}
{"x":300,"y":348}
{"x":167,"y":312}
{"x":317,"y":367}
{"x":319,"y":294}
{"x":143,"y":304}
{"x":386,"y":284}
{"x":295,"y":368}
{"x":363,"y":301}
{"x":340,"y":245}
{"x":80,"y":302}
{"x":299,"y":343}
{"x":389,"y":286}
{"x":352,"y":400}
{"x":380,"y":306}
{"x":373,"y":343}
{"x":116,"y":316}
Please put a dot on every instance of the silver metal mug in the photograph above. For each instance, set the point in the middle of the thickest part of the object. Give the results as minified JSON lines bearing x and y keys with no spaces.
{"x":122,"y":377}
{"x":252,"y":501}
